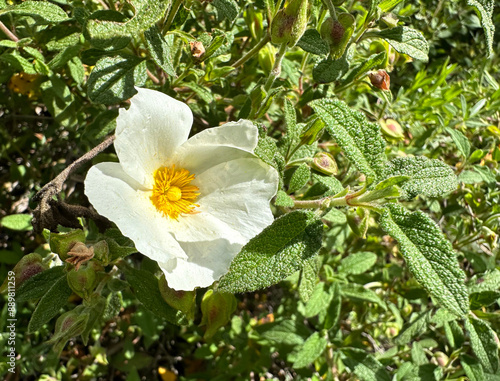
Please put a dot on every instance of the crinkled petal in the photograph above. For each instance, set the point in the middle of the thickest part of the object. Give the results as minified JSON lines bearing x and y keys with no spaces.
{"x":216,"y":145}
{"x":118,"y":197}
{"x":207,"y":262}
{"x":149,"y":132}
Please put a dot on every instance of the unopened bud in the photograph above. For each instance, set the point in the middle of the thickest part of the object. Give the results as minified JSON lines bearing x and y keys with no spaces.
{"x":101,"y":252}
{"x":217,"y":308}
{"x":290,"y":23}
{"x":84,"y":280}
{"x":28,"y":266}
{"x":60,"y":243}
{"x":380,"y":79}
{"x":392,"y":129}
{"x":337,"y":33}
{"x":325,"y":163}
{"x":197,"y":49}
{"x":79,"y":253}
{"x":267,"y":57}
{"x":68,"y":325}
{"x":184,"y":301}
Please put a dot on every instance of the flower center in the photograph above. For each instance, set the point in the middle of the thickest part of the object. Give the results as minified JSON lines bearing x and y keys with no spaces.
{"x":172,"y":194}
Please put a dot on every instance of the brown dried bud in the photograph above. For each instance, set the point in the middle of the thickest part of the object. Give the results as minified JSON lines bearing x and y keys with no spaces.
{"x":380,"y":80}
{"x":197,"y":49}
{"x":79,"y":254}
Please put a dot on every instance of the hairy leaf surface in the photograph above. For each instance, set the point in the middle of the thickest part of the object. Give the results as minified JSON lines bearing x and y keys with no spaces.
{"x":407,"y":41}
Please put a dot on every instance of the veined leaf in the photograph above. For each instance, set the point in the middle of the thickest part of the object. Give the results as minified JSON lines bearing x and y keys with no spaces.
{"x":364,"y":365}
{"x":312,"y":42}
{"x":484,"y":10}
{"x":460,"y":140}
{"x":277,"y":252}
{"x":483,"y":343}
{"x":310,"y":350}
{"x":159,"y":49}
{"x":429,"y":256}
{"x":372,"y":62}
{"x":43,"y":11}
{"x":359,"y":139}
{"x":308,"y":278}
{"x":228,"y":8}
{"x":406,"y":41}
{"x":430,"y":177}
{"x":357,"y":263}
{"x":413,"y":329}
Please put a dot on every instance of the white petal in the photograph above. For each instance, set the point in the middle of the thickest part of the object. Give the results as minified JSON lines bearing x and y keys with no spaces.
{"x":148,"y":133}
{"x":217,"y":145}
{"x":118,"y":197}
{"x":207,"y":262}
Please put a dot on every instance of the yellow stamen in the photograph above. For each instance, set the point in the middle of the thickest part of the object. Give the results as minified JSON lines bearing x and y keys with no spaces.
{"x":172,"y":194}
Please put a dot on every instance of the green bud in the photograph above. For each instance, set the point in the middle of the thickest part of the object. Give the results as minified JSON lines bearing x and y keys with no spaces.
{"x":184,"y":301}
{"x":325,"y":163}
{"x":216,"y":308}
{"x":392,"y":129}
{"x":267,"y":57}
{"x":84,"y":280}
{"x":61,"y":243}
{"x":290,"y":23}
{"x":68,"y":325}
{"x":28,"y":266}
{"x":337,"y":33}
{"x":101,"y":252}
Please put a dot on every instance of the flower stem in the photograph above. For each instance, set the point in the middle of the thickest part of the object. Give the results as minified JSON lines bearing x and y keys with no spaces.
{"x":276,"y":70}
{"x":252,"y":51}
{"x":331,"y":8}
{"x":171,"y":15}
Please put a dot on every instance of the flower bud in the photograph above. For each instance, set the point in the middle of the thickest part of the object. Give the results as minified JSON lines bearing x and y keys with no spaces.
{"x":184,"y":301}
{"x":392,"y":129}
{"x":337,"y":33}
{"x":325,"y":163}
{"x":440,"y":359}
{"x":380,"y":80}
{"x":217,"y":308}
{"x":60,"y":243}
{"x":28,"y":266}
{"x":267,"y":57}
{"x":101,"y":252}
{"x":197,"y":49}
{"x":83,"y":280}
{"x":290,"y":23}
{"x":68,"y":325}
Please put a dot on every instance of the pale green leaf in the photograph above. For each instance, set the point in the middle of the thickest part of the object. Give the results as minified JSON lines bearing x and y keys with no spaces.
{"x":310,"y":350}
{"x":460,"y":141}
{"x":299,"y":178}
{"x":277,"y":252}
{"x":319,"y":300}
{"x":429,"y":256}
{"x":360,"y":140}
{"x":430,"y":177}
{"x":387,"y":5}
{"x":312,"y":42}
{"x":228,"y":8}
{"x":20,"y":222}
{"x":482,"y":340}
{"x":359,"y":293}
{"x":357,"y":263}
{"x":484,"y":10}
{"x":42,"y":11}
{"x":308,"y":278}
{"x":286,"y":332}
{"x":406,"y":41}
{"x":364,"y":365}
{"x":282,"y":199}
{"x":375,"y":61}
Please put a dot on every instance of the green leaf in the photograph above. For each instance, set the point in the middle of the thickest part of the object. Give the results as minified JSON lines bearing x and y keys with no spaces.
{"x":308,"y":278}
{"x":228,"y":8}
{"x":406,"y":41}
{"x":160,"y":49}
{"x":64,"y":56}
{"x":430,"y":177}
{"x":364,"y":365}
{"x":460,"y":140}
{"x":203,"y":92}
{"x":21,"y":222}
{"x":217,"y":309}
{"x":312,"y":42}
{"x":292,"y":128}
{"x":145,"y":287}
{"x":333,"y":311}
{"x":113,"y":79}
{"x":484,"y":10}
{"x":413,"y":329}
{"x":472,"y":367}
{"x":360,"y":140}
{"x":482,"y":340}
{"x":429,"y":256}
{"x":286,"y":332}
{"x":330,"y":70}
{"x":357,"y":263}
{"x":313,"y":347}
{"x":375,"y":61}
{"x":319,"y":301}
{"x":299,"y":178}
{"x":282,"y":199}
{"x":37,"y":286}
{"x":42,"y":11}
{"x":50,"y":304}
{"x":359,"y":293}
{"x":387,"y":5}
{"x":277,"y":252}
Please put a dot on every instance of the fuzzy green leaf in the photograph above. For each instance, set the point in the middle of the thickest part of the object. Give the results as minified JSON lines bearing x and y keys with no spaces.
{"x":375,"y":61}
{"x":277,"y":252}
{"x":308,"y":278}
{"x":49,"y":305}
{"x":312,"y":42}
{"x":330,"y":70}
{"x":413,"y":329}
{"x":146,"y":289}
{"x":429,"y":256}
{"x":364,"y":365}
{"x":38,"y":285}
{"x":460,"y":141}
{"x":299,"y":178}
{"x":357,"y":263}
{"x":310,"y":350}
{"x":357,"y":292}
{"x":159,"y":48}
{"x":319,"y":301}
{"x":113,"y":79}
{"x":282,"y":199}
{"x":359,"y":139}
{"x":286,"y":332}
{"x":430,"y":177}
{"x":472,"y":367}
{"x":406,"y":41}
{"x":484,"y":10}
{"x":482,"y":339}
{"x":228,"y":8}
{"x":42,"y":11}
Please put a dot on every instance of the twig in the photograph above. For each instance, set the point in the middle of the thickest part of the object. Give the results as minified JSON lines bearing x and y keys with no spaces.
{"x":9,"y":34}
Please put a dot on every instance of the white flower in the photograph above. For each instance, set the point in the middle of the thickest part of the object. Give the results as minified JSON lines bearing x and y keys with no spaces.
{"x":190,"y":205}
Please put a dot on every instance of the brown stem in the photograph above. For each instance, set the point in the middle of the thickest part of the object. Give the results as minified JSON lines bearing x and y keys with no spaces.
{"x":9,"y":34}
